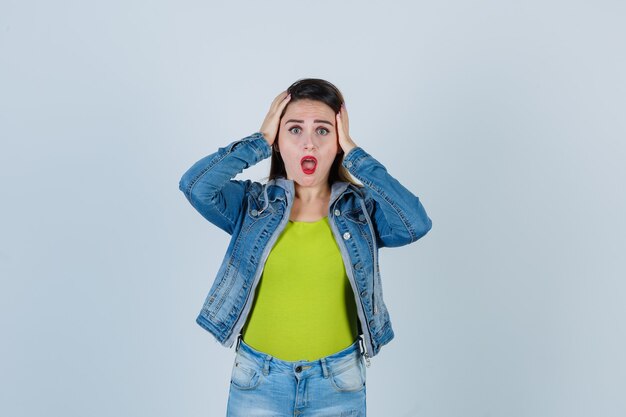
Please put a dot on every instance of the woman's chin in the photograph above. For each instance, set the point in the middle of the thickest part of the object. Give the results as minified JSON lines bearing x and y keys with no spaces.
{"x":309,"y":180}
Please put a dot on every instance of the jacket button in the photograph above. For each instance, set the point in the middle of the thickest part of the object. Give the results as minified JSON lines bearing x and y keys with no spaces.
{"x":346,"y":236}
{"x":349,"y":164}
{"x":363,"y":293}
{"x":361,"y":217}
{"x":337,"y":212}
{"x":298,"y":368}
{"x":254,"y":213}
{"x":358,"y":265}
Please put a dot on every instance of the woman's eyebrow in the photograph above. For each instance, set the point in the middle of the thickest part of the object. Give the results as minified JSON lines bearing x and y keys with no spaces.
{"x":314,"y":121}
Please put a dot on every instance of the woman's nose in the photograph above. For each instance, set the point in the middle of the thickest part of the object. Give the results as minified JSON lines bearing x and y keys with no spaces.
{"x":308,"y":144}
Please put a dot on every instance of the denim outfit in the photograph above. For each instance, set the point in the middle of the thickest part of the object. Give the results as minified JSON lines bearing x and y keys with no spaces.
{"x":363,"y":219}
{"x":262,"y":385}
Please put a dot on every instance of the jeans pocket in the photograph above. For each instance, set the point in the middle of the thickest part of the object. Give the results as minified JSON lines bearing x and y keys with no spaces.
{"x":349,"y":376}
{"x":246,"y":374}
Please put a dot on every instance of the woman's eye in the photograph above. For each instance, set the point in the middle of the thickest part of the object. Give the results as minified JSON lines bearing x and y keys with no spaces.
{"x":323,"y":131}
{"x":292,"y":130}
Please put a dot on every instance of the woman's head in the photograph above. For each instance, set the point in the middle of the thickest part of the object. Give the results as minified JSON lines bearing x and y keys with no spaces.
{"x":308,"y":128}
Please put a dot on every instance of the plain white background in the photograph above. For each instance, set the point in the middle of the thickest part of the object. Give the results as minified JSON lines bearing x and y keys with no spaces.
{"x":506,"y":118}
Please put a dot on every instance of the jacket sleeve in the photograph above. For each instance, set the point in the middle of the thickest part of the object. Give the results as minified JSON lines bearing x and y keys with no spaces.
{"x":208,"y":184}
{"x":398,"y":215}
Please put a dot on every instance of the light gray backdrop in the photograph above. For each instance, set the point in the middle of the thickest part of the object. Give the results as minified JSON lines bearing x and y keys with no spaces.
{"x":506,"y":118}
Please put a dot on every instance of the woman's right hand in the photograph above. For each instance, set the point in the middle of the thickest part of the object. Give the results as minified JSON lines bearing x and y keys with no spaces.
{"x":269,"y":129}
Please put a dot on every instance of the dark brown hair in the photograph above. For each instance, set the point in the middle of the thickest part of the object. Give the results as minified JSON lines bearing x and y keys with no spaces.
{"x":325,"y":92}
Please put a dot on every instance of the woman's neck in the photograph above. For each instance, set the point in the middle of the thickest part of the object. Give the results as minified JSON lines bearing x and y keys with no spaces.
{"x":312,"y":193}
{"x":310,"y":203}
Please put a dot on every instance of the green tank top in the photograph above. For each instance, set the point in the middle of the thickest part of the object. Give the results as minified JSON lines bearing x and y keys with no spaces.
{"x":304,"y":306}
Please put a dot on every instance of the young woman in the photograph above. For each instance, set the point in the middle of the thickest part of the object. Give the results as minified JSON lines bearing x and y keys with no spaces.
{"x":299,"y":289}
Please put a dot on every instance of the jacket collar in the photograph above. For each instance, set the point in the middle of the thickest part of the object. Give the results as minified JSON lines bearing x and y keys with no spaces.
{"x":336,"y":190}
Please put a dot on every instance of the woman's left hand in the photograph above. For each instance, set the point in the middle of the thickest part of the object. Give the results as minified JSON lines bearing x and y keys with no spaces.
{"x":346,"y":143}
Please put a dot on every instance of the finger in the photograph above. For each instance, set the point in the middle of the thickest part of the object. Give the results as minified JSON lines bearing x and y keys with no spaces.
{"x":339,"y":126}
{"x":344,"y":116}
{"x":284,"y":102}
{"x":281,"y":96}
{"x":280,"y":99}
{"x":270,"y":124}
{"x":343,"y":119}
{"x":280,"y":107}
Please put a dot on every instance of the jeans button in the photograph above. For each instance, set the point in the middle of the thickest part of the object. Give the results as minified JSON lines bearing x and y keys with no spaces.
{"x":298,"y":368}
{"x":337,"y":212}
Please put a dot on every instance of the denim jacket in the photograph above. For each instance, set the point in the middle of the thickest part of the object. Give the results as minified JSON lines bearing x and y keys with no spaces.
{"x":363,"y":219}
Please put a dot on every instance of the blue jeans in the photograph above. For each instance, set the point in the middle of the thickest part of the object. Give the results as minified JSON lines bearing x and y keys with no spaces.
{"x":262,"y":385}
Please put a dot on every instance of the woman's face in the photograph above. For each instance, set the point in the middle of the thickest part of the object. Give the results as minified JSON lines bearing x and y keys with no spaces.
{"x":307,"y":129}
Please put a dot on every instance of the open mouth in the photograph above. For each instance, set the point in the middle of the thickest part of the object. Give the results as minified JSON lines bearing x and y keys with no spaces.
{"x":308,"y":164}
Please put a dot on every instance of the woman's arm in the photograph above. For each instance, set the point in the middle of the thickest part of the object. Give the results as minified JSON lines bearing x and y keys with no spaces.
{"x":208,"y":184}
{"x":399,"y":217}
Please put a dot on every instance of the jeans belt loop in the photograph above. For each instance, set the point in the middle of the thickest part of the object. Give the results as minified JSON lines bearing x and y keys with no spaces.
{"x":324,"y":367}
{"x":266,"y":365}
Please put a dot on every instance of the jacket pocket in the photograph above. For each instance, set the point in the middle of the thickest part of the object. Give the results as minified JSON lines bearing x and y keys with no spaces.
{"x":357,"y":215}
{"x":257,"y":209}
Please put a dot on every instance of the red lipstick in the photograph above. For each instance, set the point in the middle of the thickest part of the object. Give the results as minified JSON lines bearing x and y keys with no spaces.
{"x":308,"y":164}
